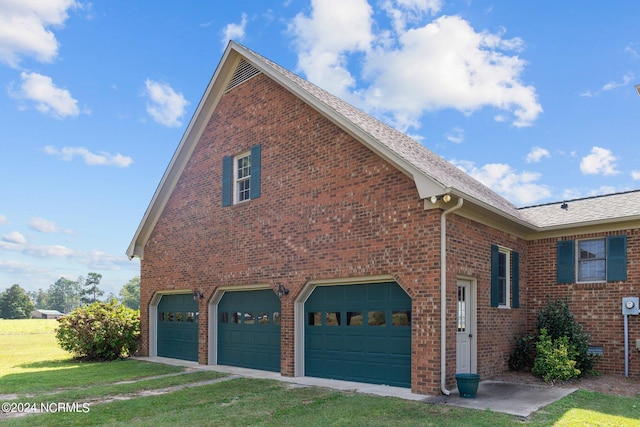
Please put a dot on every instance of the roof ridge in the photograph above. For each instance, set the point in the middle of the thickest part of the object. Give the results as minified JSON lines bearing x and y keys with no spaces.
{"x":580,"y":199}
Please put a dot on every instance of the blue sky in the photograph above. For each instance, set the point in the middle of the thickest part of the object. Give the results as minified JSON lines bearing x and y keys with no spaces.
{"x":533,"y":98}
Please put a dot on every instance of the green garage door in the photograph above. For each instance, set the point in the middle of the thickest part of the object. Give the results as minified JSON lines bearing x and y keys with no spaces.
{"x":249,"y":330}
{"x":178,"y":327}
{"x":359,"y":333}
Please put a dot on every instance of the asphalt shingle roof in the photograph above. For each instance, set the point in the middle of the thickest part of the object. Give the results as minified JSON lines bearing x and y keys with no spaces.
{"x":617,"y":206}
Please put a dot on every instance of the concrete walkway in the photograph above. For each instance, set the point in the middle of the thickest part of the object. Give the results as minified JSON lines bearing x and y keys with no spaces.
{"x":510,"y":398}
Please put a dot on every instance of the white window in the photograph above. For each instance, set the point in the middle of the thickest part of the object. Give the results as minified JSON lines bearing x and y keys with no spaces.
{"x":242,"y":177}
{"x":504,"y":277}
{"x":592,"y":260}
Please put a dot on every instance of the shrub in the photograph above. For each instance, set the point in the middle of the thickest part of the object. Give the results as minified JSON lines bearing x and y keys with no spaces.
{"x":524,"y":355}
{"x":555,"y":358}
{"x":100,"y":331}
{"x":559,"y":322}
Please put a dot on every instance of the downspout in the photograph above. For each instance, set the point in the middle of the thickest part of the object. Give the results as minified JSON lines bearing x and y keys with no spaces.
{"x":443,"y":296}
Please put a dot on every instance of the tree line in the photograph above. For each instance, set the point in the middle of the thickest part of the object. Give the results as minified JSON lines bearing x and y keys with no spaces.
{"x":65,"y":295}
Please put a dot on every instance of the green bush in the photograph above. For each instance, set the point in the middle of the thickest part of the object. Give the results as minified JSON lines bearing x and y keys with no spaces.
{"x":555,"y":358}
{"x":100,"y":331}
{"x":559,"y":322}
{"x":524,"y":355}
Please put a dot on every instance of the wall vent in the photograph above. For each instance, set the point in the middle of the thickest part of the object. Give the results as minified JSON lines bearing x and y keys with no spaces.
{"x":244,"y":71}
{"x":596,"y":350}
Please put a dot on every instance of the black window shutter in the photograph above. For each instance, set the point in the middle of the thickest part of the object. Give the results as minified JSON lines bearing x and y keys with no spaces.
{"x":494,"y":275}
{"x":616,"y":258}
{"x":566,"y":262}
{"x":256,"y":171}
{"x":227,"y":172}
{"x":515,"y":279}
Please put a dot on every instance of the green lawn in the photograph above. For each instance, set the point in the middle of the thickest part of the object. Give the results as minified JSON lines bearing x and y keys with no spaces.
{"x":135,"y":393}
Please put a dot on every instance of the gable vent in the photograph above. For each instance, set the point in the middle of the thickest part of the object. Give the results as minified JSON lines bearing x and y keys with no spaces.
{"x":244,"y":71}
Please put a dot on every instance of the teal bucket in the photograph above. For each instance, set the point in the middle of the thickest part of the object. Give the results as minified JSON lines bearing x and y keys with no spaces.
{"x":468,"y":384}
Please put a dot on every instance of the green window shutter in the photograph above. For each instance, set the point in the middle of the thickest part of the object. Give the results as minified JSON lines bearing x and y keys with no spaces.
{"x":515,"y":279}
{"x":227,"y":178}
{"x":494,"y":275}
{"x":566,"y":262}
{"x":616,"y":258}
{"x":256,"y":171}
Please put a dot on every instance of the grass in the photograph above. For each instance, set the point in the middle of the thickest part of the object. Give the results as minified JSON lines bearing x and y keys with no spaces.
{"x":27,"y":326}
{"x":32,"y":366}
{"x":32,"y":362}
{"x":585,"y":408}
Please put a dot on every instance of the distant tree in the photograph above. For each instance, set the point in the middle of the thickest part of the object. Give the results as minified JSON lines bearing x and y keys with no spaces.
{"x":130,"y":294}
{"x":111,"y":297}
{"x":64,"y":295}
{"x":15,"y":303}
{"x":40,"y":298}
{"x":90,"y":291}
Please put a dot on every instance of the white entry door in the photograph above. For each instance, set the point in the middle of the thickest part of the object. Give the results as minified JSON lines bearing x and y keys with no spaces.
{"x":465,"y":321}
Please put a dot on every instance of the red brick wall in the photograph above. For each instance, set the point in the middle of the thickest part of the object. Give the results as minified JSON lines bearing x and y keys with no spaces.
{"x":330,"y":208}
{"x":597,"y":307}
{"x":469,"y":245}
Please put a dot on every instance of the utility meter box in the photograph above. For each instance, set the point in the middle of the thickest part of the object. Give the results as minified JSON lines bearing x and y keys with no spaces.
{"x":631,"y":306}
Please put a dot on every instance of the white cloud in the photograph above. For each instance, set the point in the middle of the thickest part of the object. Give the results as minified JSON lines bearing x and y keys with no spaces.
{"x":536,"y":154}
{"x":98,"y":260}
{"x":54,"y":251}
{"x":45,"y":226}
{"x":455,"y":135}
{"x":25,"y":29}
{"x":14,"y":237}
{"x":600,"y":162}
{"x":102,"y":159}
{"x":635,"y":175}
{"x":15,"y":266}
{"x":4,"y":219}
{"x":335,"y":28}
{"x":603,"y":189}
{"x":48,"y":98}
{"x":234,"y":31}
{"x":626,"y":79}
{"x":404,"y":12}
{"x":166,"y":106}
{"x":447,"y":64}
{"x":632,"y":50}
{"x":416,"y":67}
{"x":92,"y":259}
{"x":519,"y":187}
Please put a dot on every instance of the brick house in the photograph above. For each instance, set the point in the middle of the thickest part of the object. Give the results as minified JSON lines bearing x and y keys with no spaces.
{"x":294,"y":233}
